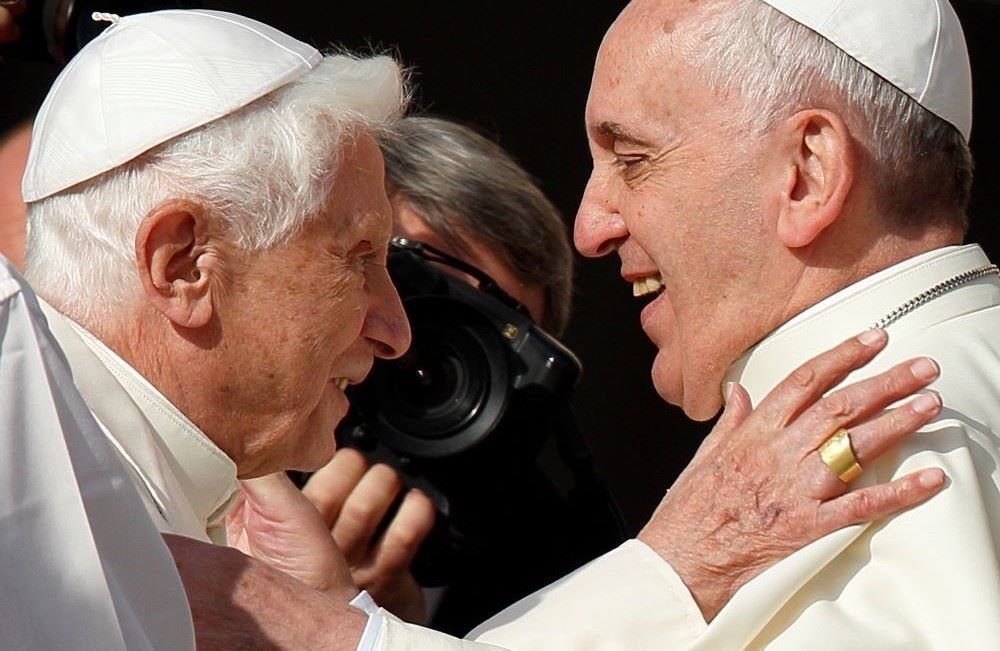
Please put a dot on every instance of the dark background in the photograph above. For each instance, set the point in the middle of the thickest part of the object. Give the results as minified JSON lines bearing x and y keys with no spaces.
{"x":520,"y":72}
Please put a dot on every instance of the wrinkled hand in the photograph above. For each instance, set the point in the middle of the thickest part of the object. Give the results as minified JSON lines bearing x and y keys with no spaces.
{"x":274,"y":523}
{"x":9,"y":31}
{"x":757,"y":489}
{"x":353,"y":499}
{"x":240,"y":603}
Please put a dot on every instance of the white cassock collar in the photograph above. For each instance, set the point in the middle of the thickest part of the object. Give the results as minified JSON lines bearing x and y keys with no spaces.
{"x":207,"y":476}
{"x":859,"y":307}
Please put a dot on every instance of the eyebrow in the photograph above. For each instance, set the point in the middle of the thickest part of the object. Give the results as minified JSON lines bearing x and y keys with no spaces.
{"x":621,"y":134}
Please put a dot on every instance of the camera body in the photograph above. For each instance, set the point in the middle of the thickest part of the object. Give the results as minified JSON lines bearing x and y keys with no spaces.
{"x":476,"y":355}
{"x":468,"y":407}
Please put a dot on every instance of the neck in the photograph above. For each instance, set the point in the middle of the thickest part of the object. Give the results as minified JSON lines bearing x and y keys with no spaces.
{"x":830,"y":265}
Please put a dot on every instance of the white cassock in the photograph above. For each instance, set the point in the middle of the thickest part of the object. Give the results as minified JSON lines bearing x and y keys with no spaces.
{"x":81,"y":564}
{"x":926,"y":579}
{"x":186,"y":482}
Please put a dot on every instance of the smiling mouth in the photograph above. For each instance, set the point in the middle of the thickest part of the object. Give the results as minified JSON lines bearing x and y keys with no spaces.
{"x":648,"y":285}
{"x":341,"y":382}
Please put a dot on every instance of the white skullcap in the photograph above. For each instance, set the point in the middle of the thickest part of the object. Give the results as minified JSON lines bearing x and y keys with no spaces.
{"x":148,"y":78}
{"x":916,"y":45}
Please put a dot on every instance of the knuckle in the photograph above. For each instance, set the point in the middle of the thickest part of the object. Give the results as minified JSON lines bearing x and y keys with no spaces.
{"x":404,"y":542}
{"x":803,"y":377}
{"x":837,"y":406}
{"x":862,"y":505}
{"x":359,"y":512}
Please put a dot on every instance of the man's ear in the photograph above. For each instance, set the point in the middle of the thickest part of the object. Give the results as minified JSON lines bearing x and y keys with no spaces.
{"x":177,"y":262}
{"x":820,"y":160}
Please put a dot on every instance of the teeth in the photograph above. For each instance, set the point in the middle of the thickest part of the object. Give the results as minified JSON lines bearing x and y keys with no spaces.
{"x":645,"y":286}
{"x":341,"y":383}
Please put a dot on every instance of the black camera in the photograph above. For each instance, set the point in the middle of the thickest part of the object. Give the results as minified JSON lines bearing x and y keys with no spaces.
{"x":476,"y":357}
{"x":468,"y":407}
{"x":57,"y":29}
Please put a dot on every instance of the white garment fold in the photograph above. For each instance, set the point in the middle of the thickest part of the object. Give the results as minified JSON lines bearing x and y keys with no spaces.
{"x":81,"y":564}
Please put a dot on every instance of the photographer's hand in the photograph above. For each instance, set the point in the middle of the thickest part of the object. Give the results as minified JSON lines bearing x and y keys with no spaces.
{"x":353,"y":500}
{"x":9,"y":31}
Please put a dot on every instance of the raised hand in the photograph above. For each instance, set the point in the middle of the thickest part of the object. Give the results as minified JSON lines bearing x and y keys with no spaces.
{"x":274,"y":523}
{"x":758,"y":490}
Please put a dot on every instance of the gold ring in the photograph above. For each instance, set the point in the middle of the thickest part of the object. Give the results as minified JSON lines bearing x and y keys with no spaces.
{"x":837,"y":454}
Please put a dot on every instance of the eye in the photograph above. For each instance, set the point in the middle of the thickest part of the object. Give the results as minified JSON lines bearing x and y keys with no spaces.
{"x":627,"y":161}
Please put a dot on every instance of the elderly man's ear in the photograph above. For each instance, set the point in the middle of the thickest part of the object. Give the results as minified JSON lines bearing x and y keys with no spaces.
{"x":819,"y":161}
{"x":178,"y":262}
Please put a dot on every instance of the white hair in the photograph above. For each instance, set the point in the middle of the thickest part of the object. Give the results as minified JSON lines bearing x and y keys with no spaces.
{"x":774,"y":66}
{"x":263,"y":172}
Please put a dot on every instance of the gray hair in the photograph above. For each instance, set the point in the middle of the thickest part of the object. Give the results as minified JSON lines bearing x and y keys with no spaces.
{"x":468,"y":189}
{"x":262,"y":173}
{"x":921,"y":163}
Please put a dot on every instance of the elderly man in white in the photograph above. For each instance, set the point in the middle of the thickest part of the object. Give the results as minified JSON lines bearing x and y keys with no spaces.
{"x":168,"y":264}
{"x":209,"y":225}
{"x":783,"y":173}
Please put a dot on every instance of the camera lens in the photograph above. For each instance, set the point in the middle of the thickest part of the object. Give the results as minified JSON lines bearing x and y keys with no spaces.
{"x":429,"y":376}
{"x":439,"y":385}
{"x":450,"y":388}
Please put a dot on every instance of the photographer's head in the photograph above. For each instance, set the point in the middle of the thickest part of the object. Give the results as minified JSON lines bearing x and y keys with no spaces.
{"x":462,"y":193}
{"x":236,"y":259}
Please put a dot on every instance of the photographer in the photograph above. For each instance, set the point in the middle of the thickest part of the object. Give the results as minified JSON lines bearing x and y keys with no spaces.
{"x":462,"y":194}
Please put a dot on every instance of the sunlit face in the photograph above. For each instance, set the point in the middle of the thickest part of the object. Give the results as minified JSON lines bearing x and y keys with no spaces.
{"x":409,"y":223}
{"x":307,"y":318}
{"x":674,"y":191}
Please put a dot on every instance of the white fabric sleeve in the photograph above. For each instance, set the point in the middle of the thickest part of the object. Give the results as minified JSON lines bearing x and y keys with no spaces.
{"x":627,"y":600}
{"x":384,"y":631}
{"x":83,"y":565}
{"x":371,"y":635}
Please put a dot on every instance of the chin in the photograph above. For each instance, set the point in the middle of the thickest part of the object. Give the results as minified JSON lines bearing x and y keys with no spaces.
{"x":319,"y":455}
{"x":697,"y":403}
{"x":701,"y":410}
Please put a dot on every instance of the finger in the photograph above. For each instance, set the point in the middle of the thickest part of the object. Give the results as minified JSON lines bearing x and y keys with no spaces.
{"x":273,"y":495}
{"x":738,"y":406}
{"x":737,"y":409}
{"x":872,"y":439}
{"x":273,"y":503}
{"x":807,"y":383}
{"x":329,"y":486}
{"x":364,"y":510}
{"x":862,"y":399}
{"x":401,"y":541}
{"x":877,"y":502}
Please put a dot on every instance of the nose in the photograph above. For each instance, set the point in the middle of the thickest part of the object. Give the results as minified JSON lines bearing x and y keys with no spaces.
{"x":599,"y":228}
{"x":386,"y":325}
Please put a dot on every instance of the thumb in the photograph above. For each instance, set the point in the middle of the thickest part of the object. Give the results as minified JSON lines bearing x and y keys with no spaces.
{"x":737,"y":409}
{"x":274,"y":497}
{"x":283,"y":529}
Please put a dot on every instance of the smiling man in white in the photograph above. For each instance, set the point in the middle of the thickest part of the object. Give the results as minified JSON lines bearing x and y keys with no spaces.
{"x":784,"y":173}
{"x":213,"y":293}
